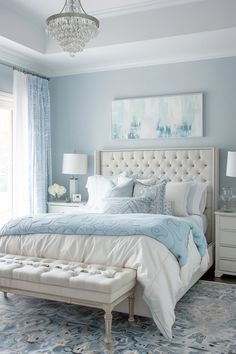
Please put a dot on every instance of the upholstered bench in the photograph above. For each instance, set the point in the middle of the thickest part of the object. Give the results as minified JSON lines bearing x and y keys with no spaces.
{"x":78,"y":283}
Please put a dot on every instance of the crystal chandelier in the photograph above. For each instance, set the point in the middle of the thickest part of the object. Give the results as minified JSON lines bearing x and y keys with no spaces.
{"x":72,"y":28}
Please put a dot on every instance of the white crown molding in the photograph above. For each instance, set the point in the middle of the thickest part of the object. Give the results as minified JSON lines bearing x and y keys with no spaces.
{"x":141,"y":7}
{"x":15,"y":59}
{"x":140,"y":64}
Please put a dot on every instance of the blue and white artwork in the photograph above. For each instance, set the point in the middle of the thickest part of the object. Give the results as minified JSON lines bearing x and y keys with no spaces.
{"x":175,"y":116}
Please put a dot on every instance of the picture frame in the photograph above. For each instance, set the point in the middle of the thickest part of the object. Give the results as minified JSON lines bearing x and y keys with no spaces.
{"x":169,"y":116}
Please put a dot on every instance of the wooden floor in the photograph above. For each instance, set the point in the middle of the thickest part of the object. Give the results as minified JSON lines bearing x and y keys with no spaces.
{"x":224,"y":279}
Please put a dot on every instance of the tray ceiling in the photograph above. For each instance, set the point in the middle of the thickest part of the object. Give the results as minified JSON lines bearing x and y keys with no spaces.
{"x":133,"y":33}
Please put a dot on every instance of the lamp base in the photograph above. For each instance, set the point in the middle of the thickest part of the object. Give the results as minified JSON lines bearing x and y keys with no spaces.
{"x":74,"y":187}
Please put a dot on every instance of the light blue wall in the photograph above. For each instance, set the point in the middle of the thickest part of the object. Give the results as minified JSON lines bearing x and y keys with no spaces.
{"x":81,"y":108}
{"x":6,"y":79}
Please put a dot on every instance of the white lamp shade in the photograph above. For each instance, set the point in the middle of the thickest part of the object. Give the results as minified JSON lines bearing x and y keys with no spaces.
{"x":75,"y":164}
{"x":231,"y":164}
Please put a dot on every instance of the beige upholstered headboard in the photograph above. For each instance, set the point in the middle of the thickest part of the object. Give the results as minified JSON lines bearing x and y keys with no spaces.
{"x":174,"y":164}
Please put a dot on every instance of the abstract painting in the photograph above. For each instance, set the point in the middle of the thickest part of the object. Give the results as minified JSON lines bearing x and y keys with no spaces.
{"x":173,"y":116}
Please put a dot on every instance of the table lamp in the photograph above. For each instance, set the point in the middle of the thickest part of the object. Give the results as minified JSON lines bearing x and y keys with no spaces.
{"x":74,"y":164}
{"x":231,"y":164}
{"x":227,"y":197}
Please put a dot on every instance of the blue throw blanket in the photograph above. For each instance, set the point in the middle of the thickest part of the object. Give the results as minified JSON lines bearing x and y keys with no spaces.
{"x":170,"y":231}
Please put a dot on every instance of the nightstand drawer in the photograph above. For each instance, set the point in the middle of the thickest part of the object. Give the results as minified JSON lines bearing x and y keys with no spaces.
{"x":228,"y":238}
{"x":228,"y":266}
{"x":57,"y":209}
{"x":66,"y":208}
{"x":228,"y":252}
{"x":227,"y":223}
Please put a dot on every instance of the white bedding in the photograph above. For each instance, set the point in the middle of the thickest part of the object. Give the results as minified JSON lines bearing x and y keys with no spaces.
{"x":199,"y":220}
{"x":157,"y":269}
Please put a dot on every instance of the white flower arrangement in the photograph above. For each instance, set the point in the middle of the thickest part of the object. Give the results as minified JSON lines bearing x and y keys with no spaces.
{"x":56,"y":190}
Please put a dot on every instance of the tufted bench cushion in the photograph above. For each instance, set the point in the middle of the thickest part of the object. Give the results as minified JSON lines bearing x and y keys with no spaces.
{"x":86,"y":284}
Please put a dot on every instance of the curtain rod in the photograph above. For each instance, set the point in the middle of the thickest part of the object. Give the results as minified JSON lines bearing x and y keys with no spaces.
{"x":23,"y":70}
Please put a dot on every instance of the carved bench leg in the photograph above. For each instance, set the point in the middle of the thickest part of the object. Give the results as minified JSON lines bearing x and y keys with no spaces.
{"x":108,"y":325}
{"x":131,"y":309}
{"x":5,"y":294}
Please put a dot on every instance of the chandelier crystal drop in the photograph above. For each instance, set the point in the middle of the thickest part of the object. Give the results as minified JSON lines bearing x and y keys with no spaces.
{"x":72,"y":28}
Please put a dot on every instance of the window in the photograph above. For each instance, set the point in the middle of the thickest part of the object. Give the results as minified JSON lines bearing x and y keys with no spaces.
{"x":6,"y":106}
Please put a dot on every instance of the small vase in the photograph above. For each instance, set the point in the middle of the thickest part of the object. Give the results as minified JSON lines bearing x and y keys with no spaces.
{"x":55,"y":198}
{"x":227,"y":200}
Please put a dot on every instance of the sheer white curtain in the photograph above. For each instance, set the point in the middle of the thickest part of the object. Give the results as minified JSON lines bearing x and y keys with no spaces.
{"x":39,"y":143}
{"x":31,"y":144}
{"x":20,"y":153}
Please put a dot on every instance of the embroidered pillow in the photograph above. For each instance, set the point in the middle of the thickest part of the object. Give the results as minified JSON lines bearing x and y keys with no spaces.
{"x":169,"y":208}
{"x":156,"y":192}
{"x":126,"y":205}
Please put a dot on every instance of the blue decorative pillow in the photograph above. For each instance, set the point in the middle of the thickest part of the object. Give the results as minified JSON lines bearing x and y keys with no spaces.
{"x":156,"y":192}
{"x":126,"y":205}
{"x":169,"y":207}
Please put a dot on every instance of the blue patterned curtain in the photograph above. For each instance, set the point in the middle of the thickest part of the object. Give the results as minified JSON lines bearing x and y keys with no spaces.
{"x":39,"y":143}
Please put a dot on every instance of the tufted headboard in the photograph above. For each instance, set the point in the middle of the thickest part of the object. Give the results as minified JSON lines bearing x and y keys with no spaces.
{"x":175,"y":164}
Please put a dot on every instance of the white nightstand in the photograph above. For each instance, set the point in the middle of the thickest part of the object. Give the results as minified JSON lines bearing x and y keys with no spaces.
{"x":64,"y":207}
{"x":225,"y":262}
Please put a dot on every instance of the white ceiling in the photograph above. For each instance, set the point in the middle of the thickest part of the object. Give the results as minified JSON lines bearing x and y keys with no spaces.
{"x":40,"y":10}
{"x":132,"y":33}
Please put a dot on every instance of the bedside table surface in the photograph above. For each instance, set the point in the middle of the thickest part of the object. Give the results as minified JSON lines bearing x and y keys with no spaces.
{"x":225,"y":213}
{"x":66,"y":204}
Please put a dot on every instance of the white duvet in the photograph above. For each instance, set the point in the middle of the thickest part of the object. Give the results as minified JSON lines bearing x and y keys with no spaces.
{"x":158,"y":271}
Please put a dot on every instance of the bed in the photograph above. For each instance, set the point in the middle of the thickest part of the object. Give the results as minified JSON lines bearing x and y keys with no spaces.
{"x":176,"y":165}
{"x":160,"y":284}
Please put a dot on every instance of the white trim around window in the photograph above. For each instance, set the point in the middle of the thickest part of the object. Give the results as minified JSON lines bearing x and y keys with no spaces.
{"x":6,"y":100}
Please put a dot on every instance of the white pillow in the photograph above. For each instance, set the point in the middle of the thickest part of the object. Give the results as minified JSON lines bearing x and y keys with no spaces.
{"x":121,"y":179}
{"x":178,"y":192}
{"x":147,"y":181}
{"x":100,"y":187}
{"x":197,"y":198}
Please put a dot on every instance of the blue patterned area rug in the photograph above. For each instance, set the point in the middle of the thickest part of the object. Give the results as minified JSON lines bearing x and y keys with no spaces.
{"x":205,"y":323}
